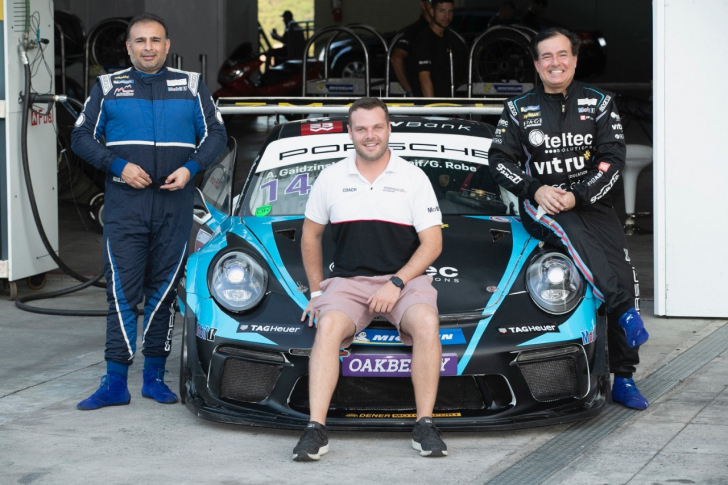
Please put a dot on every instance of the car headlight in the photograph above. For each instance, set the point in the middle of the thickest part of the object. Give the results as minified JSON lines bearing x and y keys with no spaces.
{"x":238,"y":282}
{"x":554,"y":283}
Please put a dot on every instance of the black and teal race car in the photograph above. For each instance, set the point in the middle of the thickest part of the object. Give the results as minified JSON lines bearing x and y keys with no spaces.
{"x":523,"y":338}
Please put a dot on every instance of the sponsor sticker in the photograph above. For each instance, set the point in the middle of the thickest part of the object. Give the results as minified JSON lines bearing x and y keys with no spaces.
{"x":320,"y":128}
{"x":499,"y":219}
{"x":528,"y":329}
{"x":206,"y":333}
{"x":177,"y":88}
{"x":398,"y":415}
{"x":377,"y":365}
{"x":263,"y":210}
{"x":534,"y":114}
{"x":123,"y":81}
{"x":391,"y":337}
{"x":532,"y":123}
{"x":80,"y":120}
{"x":527,"y":109}
{"x":604,"y":166}
{"x":536,"y":138}
{"x":176,"y":82}
{"x":341,"y":88}
{"x":586,"y":102}
{"x":604,"y":104}
{"x":124,"y":91}
{"x":269,"y":328}
{"x":512,"y":109}
{"x":201,"y":239}
{"x":588,"y":337}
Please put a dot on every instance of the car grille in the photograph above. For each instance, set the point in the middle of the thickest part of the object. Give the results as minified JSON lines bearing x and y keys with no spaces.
{"x":393,"y":394}
{"x":551,"y":380}
{"x":247,"y":381}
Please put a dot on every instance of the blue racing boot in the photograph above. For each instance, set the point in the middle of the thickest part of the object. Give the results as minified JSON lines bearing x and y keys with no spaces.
{"x":625,"y":391}
{"x":112,"y":392}
{"x":634,"y":328}
{"x":154,"y":386}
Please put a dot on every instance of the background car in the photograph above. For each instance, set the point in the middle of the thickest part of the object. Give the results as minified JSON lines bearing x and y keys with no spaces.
{"x":523,"y":342}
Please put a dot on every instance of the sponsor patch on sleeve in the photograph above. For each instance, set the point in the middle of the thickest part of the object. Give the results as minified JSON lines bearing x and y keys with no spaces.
{"x":321,"y":128}
{"x":604,"y":166}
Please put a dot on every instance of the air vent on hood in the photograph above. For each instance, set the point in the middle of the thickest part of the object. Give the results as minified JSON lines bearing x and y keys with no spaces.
{"x":289,"y":233}
{"x":497,"y":234}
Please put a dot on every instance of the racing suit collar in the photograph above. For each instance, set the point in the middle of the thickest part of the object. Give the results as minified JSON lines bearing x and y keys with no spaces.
{"x":144,"y":75}
{"x":558,"y":96}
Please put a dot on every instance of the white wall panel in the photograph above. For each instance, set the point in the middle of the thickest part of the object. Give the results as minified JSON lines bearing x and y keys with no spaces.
{"x":691,"y":171}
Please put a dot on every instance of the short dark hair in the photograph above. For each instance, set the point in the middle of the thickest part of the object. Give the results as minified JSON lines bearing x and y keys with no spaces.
{"x":368,"y":104}
{"x":146,"y":17}
{"x":553,"y":32}
{"x":435,"y":3}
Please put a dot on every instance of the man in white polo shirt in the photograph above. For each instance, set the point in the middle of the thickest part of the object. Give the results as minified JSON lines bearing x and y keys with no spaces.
{"x":386,"y":226}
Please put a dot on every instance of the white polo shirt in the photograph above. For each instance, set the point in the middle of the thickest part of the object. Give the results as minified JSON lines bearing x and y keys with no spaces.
{"x":374,"y":225}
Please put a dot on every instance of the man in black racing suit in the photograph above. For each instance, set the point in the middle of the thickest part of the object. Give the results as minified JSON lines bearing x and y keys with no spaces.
{"x":560,"y":149}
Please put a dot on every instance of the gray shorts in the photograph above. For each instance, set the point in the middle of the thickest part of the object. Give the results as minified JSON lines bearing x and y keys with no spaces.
{"x":350,"y":295}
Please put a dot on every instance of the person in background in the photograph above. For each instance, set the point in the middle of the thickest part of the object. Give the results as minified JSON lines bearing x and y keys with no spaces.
{"x":404,"y":65}
{"x":434,"y":49}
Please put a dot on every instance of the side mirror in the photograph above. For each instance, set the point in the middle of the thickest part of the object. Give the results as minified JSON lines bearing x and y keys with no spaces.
{"x":200,"y":212}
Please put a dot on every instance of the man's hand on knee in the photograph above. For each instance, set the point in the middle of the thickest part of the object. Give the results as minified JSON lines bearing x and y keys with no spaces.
{"x":383,"y":300}
{"x":311,"y":312}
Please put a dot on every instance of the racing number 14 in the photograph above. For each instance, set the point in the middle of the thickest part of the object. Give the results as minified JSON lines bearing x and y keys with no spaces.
{"x":299,"y":185}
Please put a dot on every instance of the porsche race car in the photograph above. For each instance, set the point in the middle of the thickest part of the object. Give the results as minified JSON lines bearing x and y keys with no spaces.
{"x":522,"y":335}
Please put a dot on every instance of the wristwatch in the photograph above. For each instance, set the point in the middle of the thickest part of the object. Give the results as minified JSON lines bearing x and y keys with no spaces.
{"x":397,"y":281}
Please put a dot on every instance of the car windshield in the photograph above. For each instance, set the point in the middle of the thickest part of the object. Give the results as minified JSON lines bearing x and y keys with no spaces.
{"x":461,"y":181}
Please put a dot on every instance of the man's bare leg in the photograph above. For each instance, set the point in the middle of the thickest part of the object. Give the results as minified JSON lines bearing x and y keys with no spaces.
{"x":333,"y":328}
{"x":421,"y":323}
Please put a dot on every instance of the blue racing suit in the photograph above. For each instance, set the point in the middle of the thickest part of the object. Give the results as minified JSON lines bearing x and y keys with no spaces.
{"x":160,"y":122}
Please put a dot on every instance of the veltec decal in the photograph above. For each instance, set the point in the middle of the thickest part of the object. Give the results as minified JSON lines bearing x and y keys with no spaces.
{"x":371,"y":365}
{"x":391,"y":337}
{"x":201,"y":239}
{"x":604,"y":166}
{"x":398,"y":415}
{"x":321,"y":128}
{"x":529,"y":329}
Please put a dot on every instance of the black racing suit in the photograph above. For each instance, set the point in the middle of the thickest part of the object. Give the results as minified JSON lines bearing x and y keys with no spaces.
{"x":574,"y":142}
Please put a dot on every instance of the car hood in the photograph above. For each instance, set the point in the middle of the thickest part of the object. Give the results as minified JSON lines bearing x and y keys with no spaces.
{"x":478,"y":258}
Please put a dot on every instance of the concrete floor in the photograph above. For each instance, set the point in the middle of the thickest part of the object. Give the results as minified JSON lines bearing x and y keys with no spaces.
{"x":51,"y":363}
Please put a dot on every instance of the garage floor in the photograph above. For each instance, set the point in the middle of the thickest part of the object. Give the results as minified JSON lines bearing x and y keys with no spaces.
{"x":51,"y":363}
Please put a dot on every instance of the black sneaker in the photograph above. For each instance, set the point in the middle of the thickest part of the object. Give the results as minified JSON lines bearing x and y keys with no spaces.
{"x":313,"y":443}
{"x":426,"y":439}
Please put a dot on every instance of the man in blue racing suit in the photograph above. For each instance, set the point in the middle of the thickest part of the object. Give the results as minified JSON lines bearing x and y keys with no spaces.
{"x":560,"y":149}
{"x":151,"y":129}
